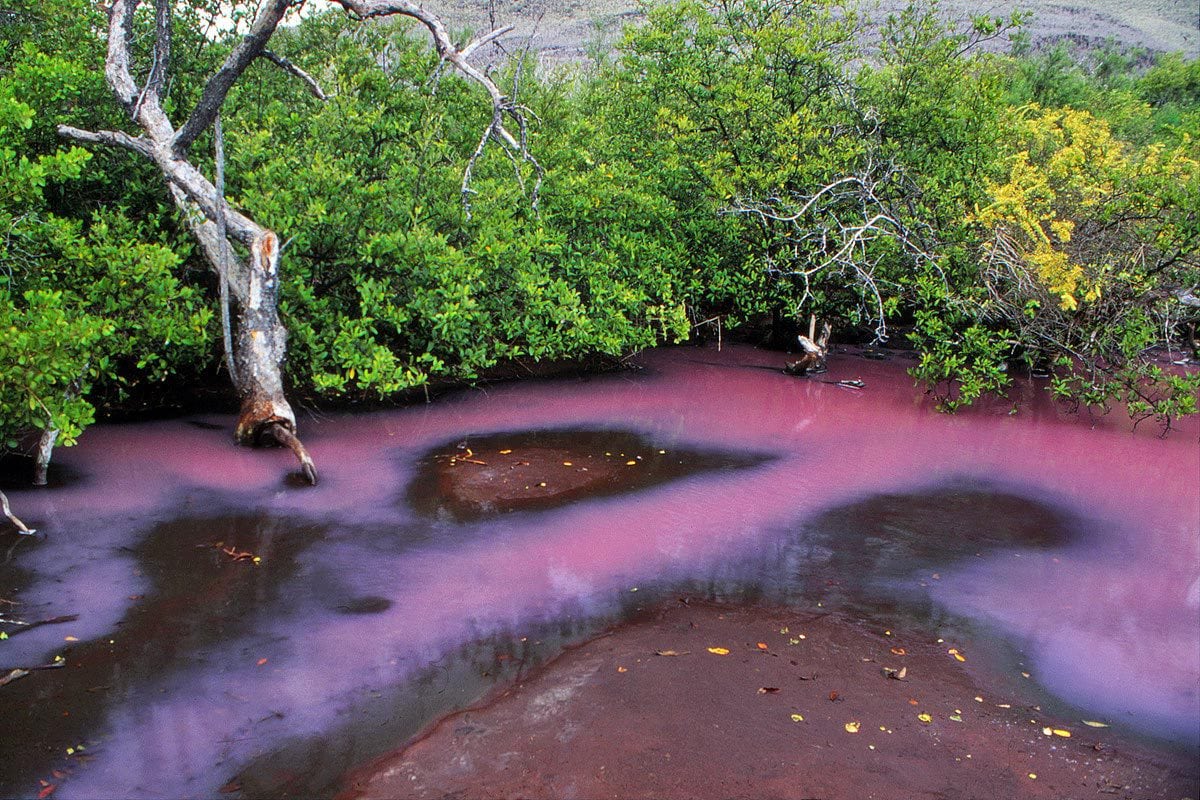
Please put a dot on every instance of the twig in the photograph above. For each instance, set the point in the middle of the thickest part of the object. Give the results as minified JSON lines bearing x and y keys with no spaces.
{"x":287,"y":66}
{"x":28,"y":626}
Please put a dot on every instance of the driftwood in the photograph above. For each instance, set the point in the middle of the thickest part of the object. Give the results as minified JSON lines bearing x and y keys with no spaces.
{"x":813,"y":358}
{"x":252,"y":282}
{"x":12,"y":517}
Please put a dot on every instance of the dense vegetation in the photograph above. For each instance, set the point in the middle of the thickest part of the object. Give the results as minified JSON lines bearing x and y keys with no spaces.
{"x":738,"y":160}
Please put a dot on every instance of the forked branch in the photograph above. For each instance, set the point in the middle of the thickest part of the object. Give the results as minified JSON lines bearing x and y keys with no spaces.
{"x":835,"y":229}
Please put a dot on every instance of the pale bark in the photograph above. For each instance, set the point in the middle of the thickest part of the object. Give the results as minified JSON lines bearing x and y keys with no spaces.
{"x":261,"y":342}
{"x":11,"y":517}
{"x":814,"y":350}
{"x":41,"y":463}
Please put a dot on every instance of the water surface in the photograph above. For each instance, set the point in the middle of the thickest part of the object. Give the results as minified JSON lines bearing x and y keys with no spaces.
{"x":1060,"y":546}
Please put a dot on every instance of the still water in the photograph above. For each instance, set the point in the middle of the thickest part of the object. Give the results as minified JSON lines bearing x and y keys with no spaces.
{"x":1060,"y":546}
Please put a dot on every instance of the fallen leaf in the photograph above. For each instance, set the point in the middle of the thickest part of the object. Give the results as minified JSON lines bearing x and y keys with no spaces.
{"x":505,"y":452}
{"x":568,"y":464}
{"x":912,"y":702}
{"x":762,"y":645}
{"x":669,"y":653}
{"x":926,"y":718}
{"x":630,"y":463}
{"x":719,"y":651}
{"x":852,"y":727}
{"x":797,"y":718}
{"x":899,"y":651}
{"x":622,"y":669}
{"x":833,"y":696}
{"x":1064,"y":733}
{"x":1091,"y":723}
{"x":46,"y":791}
{"x":768,"y":689}
{"x":956,"y":718}
{"x":1033,"y":776}
{"x":70,"y":639}
{"x":957,"y":655}
{"x":895,"y":674}
{"x":260,"y":662}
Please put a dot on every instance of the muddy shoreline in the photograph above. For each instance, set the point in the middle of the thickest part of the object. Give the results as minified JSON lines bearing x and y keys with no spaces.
{"x":713,"y":700}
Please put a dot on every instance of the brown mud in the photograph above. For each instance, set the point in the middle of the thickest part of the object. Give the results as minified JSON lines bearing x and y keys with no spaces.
{"x":534,"y":470}
{"x":804,"y":704}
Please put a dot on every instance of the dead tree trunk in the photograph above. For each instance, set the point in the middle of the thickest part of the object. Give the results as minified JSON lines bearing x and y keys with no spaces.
{"x":41,"y":462}
{"x":261,"y":342}
{"x":266,"y":415}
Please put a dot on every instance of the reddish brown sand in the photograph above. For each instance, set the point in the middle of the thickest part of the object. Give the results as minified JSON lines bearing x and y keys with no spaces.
{"x":648,"y":711}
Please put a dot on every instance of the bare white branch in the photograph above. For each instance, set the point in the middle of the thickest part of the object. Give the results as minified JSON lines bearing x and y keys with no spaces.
{"x":252,"y":45}
{"x":833,"y":230}
{"x":289,"y":67}
{"x":503,"y":108}
{"x":137,"y":144}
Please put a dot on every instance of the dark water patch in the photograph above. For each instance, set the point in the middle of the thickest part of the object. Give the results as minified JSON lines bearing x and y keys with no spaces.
{"x":205,"y":426}
{"x":879,"y":553}
{"x":866,"y":558}
{"x":476,"y":477}
{"x":369,"y":604}
{"x":16,"y":472}
{"x":212,"y":579}
{"x":316,"y":766}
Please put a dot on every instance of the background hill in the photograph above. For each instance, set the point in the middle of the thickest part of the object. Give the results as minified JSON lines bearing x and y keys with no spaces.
{"x":565,"y":29}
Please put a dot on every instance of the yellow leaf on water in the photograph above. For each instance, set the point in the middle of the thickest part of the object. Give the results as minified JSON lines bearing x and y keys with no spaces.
{"x":505,"y":452}
{"x":1091,"y":723}
{"x":852,"y":727}
{"x":567,"y":464}
{"x":957,"y":655}
{"x":926,"y":718}
{"x":1062,"y":732}
{"x":719,"y":651}
{"x":622,"y":669}
{"x":669,"y":653}
{"x":797,"y":718}
{"x":630,"y":463}
{"x":762,"y":645}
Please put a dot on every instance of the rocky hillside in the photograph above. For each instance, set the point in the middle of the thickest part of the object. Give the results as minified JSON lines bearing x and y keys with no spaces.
{"x":566,"y":30}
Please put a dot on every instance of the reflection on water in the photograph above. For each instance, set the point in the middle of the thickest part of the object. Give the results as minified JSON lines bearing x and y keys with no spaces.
{"x":198,"y":669}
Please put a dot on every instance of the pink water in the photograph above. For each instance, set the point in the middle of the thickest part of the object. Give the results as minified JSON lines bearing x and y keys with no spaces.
{"x":1105,"y":618}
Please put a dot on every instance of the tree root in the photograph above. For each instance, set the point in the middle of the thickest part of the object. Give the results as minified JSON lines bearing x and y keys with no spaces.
{"x":288,"y":439}
{"x":11,"y":518}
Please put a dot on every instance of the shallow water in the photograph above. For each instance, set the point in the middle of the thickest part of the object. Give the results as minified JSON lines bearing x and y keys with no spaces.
{"x":1045,"y":543}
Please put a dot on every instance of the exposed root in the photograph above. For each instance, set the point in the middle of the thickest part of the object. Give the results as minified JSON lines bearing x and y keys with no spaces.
{"x":288,"y":439}
{"x":20,"y":525}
